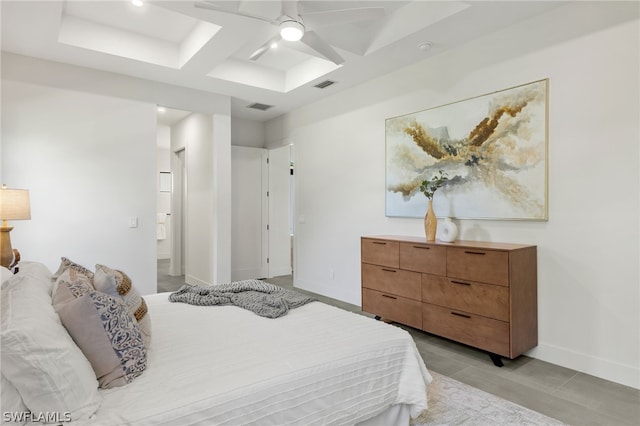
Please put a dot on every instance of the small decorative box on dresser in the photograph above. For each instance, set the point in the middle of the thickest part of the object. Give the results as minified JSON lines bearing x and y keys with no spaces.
{"x":478,"y":293}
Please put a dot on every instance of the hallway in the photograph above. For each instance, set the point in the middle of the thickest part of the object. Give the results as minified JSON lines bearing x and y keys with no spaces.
{"x":167,"y":282}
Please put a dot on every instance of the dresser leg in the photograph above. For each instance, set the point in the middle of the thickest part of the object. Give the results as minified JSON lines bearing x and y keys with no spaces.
{"x":378,"y":317}
{"x":497,"y":361}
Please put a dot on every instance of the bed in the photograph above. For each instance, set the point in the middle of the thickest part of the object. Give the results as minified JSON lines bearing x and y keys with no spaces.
{"x":224,"y":365}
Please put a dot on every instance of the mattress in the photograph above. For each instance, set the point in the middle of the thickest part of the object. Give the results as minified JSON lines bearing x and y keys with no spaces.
{"x":224,"y":365}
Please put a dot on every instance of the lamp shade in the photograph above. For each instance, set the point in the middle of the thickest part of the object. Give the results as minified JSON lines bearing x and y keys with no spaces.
{"x":14,"y":204}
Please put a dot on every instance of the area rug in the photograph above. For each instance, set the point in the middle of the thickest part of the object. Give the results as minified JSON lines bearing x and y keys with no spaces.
{"x":454,"y":403}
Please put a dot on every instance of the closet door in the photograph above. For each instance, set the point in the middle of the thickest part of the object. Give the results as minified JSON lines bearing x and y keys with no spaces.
{"x":280,"y":170}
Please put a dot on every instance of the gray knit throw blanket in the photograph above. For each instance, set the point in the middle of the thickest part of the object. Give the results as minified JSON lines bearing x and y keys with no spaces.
{"x":264,"y":299}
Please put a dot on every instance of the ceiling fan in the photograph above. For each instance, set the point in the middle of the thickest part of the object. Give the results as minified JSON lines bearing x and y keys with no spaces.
{"x":296,"y":25}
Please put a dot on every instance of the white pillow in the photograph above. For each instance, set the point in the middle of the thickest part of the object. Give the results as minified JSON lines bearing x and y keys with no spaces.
{"x":5,"y":274}
{"x":11,"y":402}
{"x":38,"y":355}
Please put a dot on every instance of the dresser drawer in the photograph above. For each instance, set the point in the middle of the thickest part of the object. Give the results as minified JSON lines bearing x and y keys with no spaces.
{"x":380,"y":252}
{"x":487,"y":300}
{"x":487,"y":266}
{"x":484,"y":333}
{"x":423,"y":258}
{"x":392,"y":280}
{"x":394,"y":308}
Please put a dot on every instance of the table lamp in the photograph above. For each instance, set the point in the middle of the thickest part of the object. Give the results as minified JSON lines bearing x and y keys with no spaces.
{"x":14,"y":205}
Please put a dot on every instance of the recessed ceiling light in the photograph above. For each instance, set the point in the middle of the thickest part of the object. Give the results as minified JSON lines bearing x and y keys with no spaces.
{"x":425,"y":46}
{"x":138,"y":3}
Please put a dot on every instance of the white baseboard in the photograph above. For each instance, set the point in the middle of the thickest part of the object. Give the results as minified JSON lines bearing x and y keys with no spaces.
{"x":321,"y":290}
{"x":627,"y":375}
{"x":190,"y":279}
{"x":277,"y":272}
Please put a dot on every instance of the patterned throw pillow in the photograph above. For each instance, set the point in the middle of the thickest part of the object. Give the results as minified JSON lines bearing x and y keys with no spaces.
{"x":102,"y":328}
{"x":66,"y":264}
{"x":112,"y":281}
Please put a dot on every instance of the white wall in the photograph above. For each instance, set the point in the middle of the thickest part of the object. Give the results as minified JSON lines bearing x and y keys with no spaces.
{"x":247,"y":133}
{"x":89,"y":163}
{"x":588,"y":251}
{"x":222,"y":196}
{"x":208,"y":156}
{"x":66,"y":103}
{"x":163,"y":162}
{"x":195,"y":133}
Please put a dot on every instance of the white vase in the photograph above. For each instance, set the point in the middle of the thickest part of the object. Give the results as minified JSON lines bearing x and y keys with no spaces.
{"x":448,"y":231}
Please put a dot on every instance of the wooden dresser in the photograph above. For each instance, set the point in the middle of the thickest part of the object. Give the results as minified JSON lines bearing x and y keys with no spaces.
{"x":478,"y":293}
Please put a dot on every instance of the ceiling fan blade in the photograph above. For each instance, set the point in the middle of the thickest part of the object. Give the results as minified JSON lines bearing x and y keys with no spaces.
{"x":211,"y":6}
{"x":343,"y":16}
{"x":266,"y":46}
{"x":312,"y":40}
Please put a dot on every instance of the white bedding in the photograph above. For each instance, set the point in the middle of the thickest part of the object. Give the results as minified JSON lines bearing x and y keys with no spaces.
{"x":228,"y":366}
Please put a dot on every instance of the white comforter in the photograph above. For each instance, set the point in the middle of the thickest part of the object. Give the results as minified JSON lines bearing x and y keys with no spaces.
{"x":228,"y":366}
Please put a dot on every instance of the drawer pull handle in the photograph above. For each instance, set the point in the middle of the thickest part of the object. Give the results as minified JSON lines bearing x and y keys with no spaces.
{"x":380,"y":242}
{"x":389,"y":297}
{"x":389,"y":270}
{"x":422,"y":247}
{"x":460,"y":282}
{"x":475,"y":252}
{"x":461,"y":315}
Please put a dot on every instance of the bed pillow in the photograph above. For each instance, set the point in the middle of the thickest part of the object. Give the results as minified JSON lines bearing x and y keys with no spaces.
{"x":39,"y":273}
{"x":5,"y":274}
{"x":11,"y":401}
{"x":66,"y":264}
{"x":103,"y":329}
{"x":38,"y":356}
{"x":112,"y":281}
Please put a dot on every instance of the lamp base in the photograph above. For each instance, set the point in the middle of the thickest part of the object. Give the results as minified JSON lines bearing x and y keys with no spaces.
{"x":16,"y":259}
{"x":6,"y":252}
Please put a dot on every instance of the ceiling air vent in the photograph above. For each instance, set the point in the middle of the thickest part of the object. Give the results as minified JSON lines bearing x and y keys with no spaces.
{"x":324,"y":84}
{"x":261,"y":107}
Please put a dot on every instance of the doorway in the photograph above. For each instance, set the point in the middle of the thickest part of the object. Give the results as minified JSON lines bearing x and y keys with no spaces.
{"x":261,"y":212}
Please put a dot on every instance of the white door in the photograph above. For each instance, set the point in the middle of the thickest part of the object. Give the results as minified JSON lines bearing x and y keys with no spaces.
{"x":249,"y":213}
{"x":279,"y":211}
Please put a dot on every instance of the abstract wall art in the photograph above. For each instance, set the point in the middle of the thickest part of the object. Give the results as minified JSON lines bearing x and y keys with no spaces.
{"x":493,"y":149}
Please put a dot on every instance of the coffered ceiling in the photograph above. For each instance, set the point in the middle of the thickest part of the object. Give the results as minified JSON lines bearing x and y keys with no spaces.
{"x":207,"y":45}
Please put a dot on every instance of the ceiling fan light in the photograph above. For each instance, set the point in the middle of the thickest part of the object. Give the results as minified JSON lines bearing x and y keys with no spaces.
{"x":291,"y":30}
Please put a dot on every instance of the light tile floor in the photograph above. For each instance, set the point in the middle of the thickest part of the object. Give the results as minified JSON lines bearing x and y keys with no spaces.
{"x":564,"y":394}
